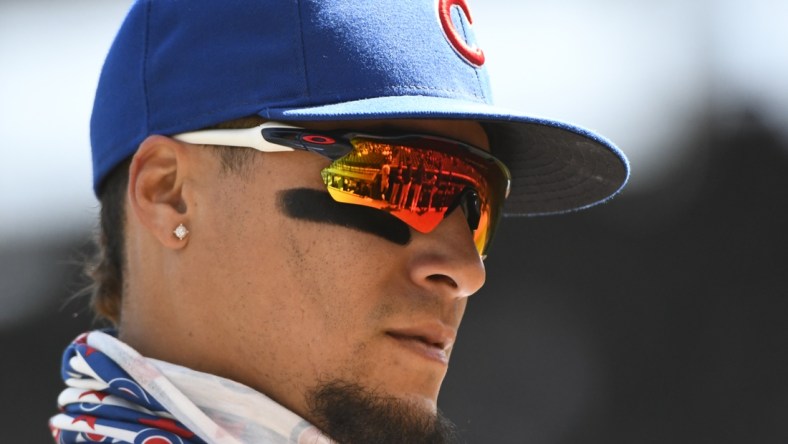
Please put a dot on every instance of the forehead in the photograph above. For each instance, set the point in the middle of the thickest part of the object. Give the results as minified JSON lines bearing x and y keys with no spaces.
{"x":466,"y":131}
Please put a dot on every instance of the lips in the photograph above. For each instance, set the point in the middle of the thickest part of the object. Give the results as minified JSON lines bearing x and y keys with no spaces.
{"x":432,"y":342}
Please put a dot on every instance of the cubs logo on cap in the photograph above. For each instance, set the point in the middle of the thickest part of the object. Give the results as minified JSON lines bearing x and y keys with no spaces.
{"x":176,"y":67}
{"x":457,"y":30}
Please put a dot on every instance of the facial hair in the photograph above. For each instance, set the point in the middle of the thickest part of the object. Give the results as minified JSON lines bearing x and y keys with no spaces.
{"x":349,"y":413}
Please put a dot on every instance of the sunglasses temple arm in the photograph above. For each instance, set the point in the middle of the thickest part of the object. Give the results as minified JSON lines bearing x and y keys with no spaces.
{"x":247,"y":137}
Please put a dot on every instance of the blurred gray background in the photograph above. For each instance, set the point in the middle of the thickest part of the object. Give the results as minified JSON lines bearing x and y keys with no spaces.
{"x":657,"y":318}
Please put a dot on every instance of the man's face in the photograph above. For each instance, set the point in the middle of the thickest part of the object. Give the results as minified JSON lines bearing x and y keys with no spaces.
{"x":292,"y":298}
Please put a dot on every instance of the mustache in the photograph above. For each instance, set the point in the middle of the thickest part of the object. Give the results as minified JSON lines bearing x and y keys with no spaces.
{"x":317,"y":206}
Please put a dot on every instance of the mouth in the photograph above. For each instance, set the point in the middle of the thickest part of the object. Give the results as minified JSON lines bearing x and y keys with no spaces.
{"x":433,"y":343}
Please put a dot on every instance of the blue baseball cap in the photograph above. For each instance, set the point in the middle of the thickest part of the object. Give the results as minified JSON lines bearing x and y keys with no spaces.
{"x":183,"y":65}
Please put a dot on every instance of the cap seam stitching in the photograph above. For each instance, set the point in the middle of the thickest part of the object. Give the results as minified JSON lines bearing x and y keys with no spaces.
{"x":303,"y":53}
{"x":465,"y":94}
{"x":476,"y":69}
{"x":145,"y":66}
{"x":236,"y":105}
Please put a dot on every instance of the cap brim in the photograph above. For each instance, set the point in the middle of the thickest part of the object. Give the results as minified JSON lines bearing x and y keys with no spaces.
{"x":556,"y":167}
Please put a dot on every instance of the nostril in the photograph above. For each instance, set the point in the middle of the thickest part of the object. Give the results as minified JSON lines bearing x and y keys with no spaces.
{"x":442,"y":278}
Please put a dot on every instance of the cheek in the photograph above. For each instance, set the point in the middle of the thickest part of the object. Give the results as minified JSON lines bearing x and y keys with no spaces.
{"x":317,"y":206}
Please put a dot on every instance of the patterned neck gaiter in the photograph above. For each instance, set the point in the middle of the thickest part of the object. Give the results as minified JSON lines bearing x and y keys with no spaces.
{"x":115,"y":395}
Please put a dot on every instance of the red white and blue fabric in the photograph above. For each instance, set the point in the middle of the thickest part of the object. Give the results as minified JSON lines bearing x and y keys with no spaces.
{"x":115,"y":395}
{"x":103,"y":403}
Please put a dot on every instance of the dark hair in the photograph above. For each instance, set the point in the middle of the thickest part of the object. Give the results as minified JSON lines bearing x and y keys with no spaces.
{"x":106,"y":268}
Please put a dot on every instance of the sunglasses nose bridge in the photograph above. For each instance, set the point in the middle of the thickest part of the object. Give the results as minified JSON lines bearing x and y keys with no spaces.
{"x":469,"y":202}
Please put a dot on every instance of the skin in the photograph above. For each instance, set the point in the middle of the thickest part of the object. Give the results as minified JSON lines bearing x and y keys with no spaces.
{"x":318,"y":206}
{"x":278,"y":303}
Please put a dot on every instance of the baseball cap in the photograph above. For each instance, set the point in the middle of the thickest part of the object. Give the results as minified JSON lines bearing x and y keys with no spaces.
{"x":182,"y":65}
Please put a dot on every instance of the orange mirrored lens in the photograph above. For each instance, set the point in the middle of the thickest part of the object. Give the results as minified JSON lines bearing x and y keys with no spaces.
{"x":418,"y":180}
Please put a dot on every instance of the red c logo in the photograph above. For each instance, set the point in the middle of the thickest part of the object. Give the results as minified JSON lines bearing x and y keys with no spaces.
{"x":473,"y":54}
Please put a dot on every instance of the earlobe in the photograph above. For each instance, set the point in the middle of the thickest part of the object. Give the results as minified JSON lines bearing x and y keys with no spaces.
{"x":157,"y":176}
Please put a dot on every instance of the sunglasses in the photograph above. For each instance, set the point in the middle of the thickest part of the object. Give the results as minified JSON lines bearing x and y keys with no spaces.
{"x":419,"y":179}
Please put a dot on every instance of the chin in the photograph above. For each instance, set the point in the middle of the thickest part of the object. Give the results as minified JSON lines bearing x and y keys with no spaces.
{"x":427,"y":404}
{"x":354,"y":412}
{"x":419,"y":388}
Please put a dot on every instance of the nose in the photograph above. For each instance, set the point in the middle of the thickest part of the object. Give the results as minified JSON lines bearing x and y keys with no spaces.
{"x":446,"y":261}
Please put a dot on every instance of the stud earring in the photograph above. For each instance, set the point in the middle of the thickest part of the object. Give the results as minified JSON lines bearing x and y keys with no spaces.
{"x":180,"y":232}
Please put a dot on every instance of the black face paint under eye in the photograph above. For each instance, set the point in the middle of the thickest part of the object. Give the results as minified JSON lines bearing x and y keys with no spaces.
{"x":318,"y":206}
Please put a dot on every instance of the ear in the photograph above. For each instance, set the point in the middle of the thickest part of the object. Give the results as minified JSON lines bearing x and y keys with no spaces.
{"x":156,"y":193}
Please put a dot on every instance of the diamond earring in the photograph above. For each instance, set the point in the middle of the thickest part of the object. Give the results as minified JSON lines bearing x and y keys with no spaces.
{"x":180,"y":232}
